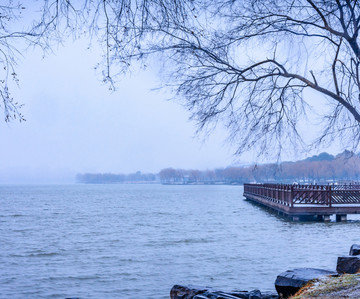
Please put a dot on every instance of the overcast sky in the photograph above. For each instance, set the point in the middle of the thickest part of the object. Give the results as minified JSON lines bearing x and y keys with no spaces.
{"x":75,"y":125}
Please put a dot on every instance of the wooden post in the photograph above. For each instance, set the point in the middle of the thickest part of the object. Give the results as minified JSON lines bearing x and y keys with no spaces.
{"x":292,"y":196}
{"x":341,"y":218}
{"x":330,"y":196}
{"x":326,"y":218}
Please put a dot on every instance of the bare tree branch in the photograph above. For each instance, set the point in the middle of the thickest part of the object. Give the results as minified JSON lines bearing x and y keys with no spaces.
{"x":243,"y":63}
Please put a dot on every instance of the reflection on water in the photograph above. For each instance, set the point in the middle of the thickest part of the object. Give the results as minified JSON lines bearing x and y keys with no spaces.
{"x":136,"y":241}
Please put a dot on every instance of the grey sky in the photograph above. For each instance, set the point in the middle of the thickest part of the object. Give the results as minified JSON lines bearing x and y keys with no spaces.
{"x":74,"y":124}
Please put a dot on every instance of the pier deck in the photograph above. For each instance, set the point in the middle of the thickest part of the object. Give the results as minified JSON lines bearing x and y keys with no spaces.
{"x":307,"y":202}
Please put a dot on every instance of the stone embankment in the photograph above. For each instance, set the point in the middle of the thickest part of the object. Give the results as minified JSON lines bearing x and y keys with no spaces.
{"x":296,"y":283}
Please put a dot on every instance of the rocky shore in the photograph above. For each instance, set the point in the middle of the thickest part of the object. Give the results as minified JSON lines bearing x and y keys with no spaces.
{"x":341,"y":286}
{"x":295,"y":284}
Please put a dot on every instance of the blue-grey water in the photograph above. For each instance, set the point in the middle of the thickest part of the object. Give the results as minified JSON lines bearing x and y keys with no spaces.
{"x":137,"y":241}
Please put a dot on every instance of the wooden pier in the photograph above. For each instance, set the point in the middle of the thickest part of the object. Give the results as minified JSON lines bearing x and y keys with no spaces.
{"x":307,"y":202}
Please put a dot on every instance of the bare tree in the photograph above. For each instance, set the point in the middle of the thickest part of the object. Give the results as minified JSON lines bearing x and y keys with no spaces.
{"x":246,"y":63}
{"x":253,"y":67}
{"x":124,"y":28}
{"x":37,"y":24}
{"x":8,"y":51}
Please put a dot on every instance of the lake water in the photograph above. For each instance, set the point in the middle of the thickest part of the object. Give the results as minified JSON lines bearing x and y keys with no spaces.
{"x":137,"y":241}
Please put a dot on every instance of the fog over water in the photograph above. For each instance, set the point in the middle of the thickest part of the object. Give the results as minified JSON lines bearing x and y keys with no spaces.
{"x":75,"y":124}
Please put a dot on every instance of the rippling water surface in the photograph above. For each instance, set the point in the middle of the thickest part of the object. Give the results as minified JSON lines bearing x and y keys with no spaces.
{"x":136,"y":241}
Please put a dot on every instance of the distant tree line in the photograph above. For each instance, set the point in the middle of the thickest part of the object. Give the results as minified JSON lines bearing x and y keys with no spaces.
{"x":322,"y":168}
{"x":109,"y":178}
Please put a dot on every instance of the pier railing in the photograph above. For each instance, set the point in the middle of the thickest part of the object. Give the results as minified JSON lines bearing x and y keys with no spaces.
{"x":290,"y":195}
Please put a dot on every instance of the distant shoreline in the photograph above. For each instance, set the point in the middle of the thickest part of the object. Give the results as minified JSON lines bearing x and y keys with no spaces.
{"x":159,"y":183}
{"x":321,"y":169}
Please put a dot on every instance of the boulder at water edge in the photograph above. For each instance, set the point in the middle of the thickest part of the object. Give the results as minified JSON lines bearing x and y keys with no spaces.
{"x":289,"y":282}
{"x":256,"y":294}
{"x":182,"y":292}
{"x":354,"y":249}
{"x":348,"y":264}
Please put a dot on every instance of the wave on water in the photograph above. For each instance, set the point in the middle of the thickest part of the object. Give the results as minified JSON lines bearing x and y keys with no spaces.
{"x":34,"y":254}
{"x":126,"y":241}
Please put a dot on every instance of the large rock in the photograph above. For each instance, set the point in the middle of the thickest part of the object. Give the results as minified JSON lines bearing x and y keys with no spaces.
{"x":182,"y":292}
{"x":269,"y":295}
{"x":255,"y":294}
{"x":354,"y":249}
{"x":348,"y":264}
{"x":289,"y":282}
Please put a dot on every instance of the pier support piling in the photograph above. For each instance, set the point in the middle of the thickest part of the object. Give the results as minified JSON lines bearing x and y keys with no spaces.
{"x":326,"y":218}
{"x":341,"y":218}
